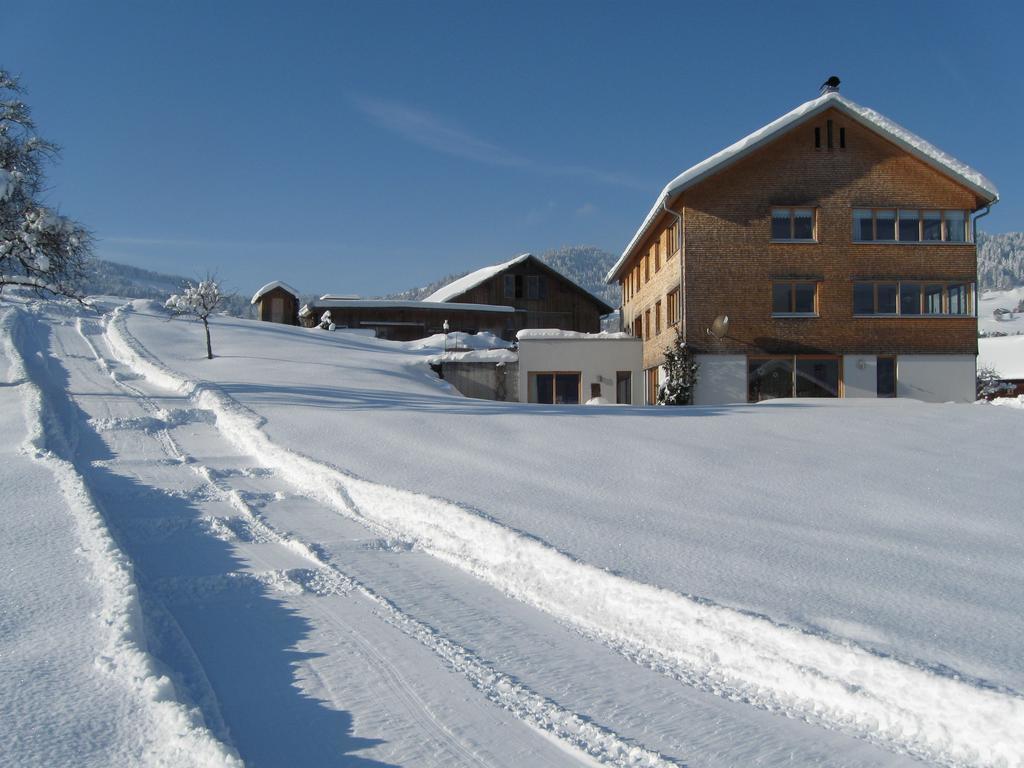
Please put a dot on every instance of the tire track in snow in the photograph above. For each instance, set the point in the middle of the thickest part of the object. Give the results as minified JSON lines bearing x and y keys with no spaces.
{"x":746,"y":658}
{"x":182,"y":737}
{"x":593,"y":740}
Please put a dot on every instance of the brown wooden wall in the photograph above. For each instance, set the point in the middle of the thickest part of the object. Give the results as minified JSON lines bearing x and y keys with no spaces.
{"x":417,"y":323}
{"x":567,"y":306}
{"x":291,"y":306}
{"x":730,"y":261}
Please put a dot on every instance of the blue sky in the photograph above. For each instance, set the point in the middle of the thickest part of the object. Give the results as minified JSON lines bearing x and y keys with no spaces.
{"x":369,"y":147}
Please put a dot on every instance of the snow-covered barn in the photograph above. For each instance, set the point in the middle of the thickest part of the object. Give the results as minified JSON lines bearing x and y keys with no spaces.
{"x":277,"y":302}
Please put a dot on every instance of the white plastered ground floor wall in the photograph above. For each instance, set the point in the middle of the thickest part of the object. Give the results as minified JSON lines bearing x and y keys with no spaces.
{"x":931,"y":378}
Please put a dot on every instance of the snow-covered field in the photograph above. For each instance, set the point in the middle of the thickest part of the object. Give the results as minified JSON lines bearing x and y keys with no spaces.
{"x":309,"y":551}
{"x":993,"y":300}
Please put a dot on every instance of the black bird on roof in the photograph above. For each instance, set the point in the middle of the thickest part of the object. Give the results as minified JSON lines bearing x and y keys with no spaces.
{"x":832,"y":84}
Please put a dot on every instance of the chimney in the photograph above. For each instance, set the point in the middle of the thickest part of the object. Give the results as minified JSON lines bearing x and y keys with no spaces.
{"x":830,"y":86}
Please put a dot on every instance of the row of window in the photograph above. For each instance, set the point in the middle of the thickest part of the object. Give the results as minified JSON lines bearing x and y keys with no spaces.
{"x":809,"y":376}
{"x":894,"y":298}
{"x":887,"y":225}
{"x":648,"y":325}
{"x":912,"y":298}
{"x":650,"y":263}
{"x":909,"y":226}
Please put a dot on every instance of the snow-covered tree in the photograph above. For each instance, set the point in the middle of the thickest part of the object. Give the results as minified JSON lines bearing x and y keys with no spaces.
{"x":199,"y":301}
{"x":989,"y":383}
{"x":680,"y":374}
{"x":39,"y":248}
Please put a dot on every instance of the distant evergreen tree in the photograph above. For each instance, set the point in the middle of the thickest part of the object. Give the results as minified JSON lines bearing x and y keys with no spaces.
{"x":680,"y":374}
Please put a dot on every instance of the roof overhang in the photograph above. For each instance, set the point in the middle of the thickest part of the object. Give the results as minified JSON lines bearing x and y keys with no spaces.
{"x":927,"y":153}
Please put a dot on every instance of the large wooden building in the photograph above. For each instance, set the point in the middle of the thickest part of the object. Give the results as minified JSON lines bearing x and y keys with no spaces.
{"x":502,"y":299}
{"x":840,"y":247}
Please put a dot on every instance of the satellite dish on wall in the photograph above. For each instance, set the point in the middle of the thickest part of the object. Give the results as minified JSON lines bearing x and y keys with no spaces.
{"x":720,"y":328}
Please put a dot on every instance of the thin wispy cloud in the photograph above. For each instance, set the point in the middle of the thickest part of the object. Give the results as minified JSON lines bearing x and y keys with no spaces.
{"x":173,"y":242}
{"x":434,"y":132}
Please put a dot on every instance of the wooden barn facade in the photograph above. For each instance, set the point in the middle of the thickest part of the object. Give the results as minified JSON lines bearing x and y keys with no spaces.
{"x":501,"y":299}
{"x":408,"y":320}
{"x":541,"y":296}
{"x":277,"y":303}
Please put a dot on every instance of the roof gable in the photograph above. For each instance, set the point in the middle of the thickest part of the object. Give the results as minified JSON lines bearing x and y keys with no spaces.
{"x":271,"y":286}
{"x":869,"y":118}
{"x":468,"y":282}
{"x":473,"y":279}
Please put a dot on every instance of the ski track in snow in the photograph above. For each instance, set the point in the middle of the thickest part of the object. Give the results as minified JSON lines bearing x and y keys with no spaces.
{"x":325,"y":578}
{"x":181,"y":737}
{"x":836,"y":685}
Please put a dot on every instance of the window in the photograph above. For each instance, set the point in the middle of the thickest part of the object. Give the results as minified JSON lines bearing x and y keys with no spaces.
{"x":638,"y":327}
{"x":885,"y":376}
{"x":817,"y":137}
{"x":908,"y":225}
{"x":794,"y":298}
{"x":532,"y":287}
{"x":842,"y":138}
{"x":657,"y":256}
{"x":912,"y":298}
{"x":647,"y":324}
{"x":647,"y":267}
{"x":554,"y":388}
{"x":672,"y":301}
{"x":792,"y":224}
{"x":671,"y":240}
{"x":956,"y":226}
{"x":623,"y":387}
{"x":885,"y":225}
{"x":510,"y":286}
{"x":769,"y":378}
{"x":657,"y":318}
{"x":652,"y":385}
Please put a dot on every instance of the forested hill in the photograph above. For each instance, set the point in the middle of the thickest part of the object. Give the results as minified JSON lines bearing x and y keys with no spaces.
{"x":1000,"y":260}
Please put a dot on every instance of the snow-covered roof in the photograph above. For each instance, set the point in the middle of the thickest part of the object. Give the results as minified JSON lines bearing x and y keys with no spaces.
{"x":473,"y":279}
{"x":880,"y":124}
{"x":271,"y":286}
{"x":402,"y":304}
{"x":549,"y":334}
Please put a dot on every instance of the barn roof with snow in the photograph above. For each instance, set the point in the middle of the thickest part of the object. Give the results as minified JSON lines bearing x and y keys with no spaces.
{"x":883,"y":126}
{"x":271,"y":286}
{"x":473,"y":279}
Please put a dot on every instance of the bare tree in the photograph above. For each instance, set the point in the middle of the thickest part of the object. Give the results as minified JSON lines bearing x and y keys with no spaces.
{"x":198,"y":301}
{"x":39,"y":248}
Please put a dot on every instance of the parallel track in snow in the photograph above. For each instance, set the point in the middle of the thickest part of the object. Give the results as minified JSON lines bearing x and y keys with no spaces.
{"x":745,"y":658}
{"x":574,"y":731}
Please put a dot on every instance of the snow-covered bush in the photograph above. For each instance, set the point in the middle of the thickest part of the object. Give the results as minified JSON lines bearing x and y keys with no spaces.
{"x":680,"y":375}
{"x":989,"y":383}
{"x":199,"y":301}
{"x":39,"y":248}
